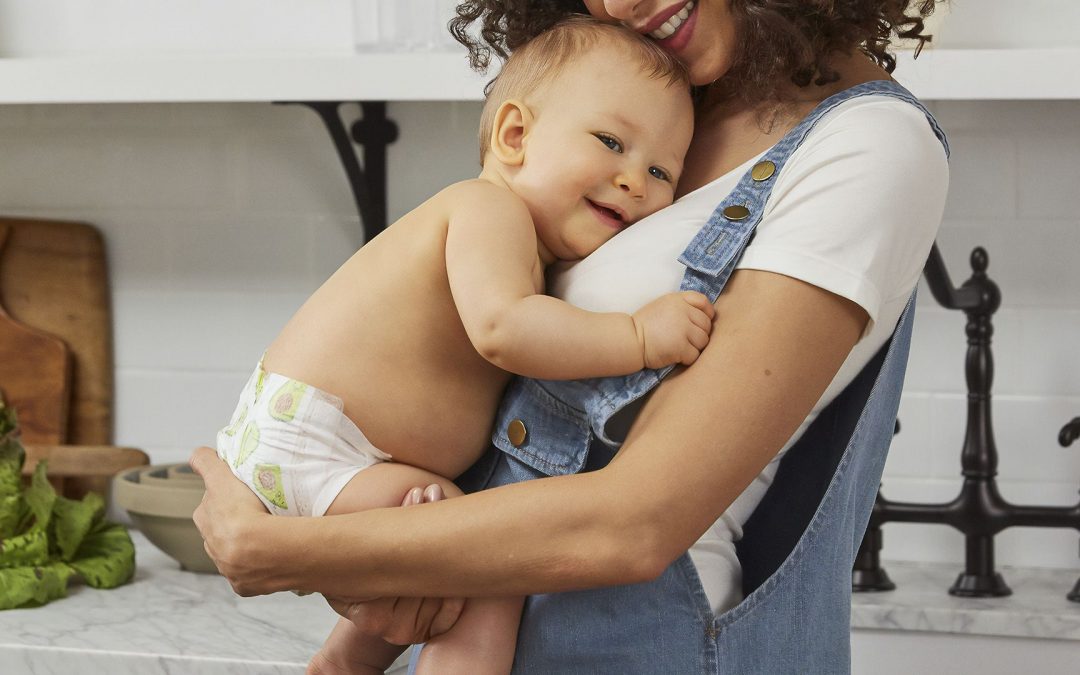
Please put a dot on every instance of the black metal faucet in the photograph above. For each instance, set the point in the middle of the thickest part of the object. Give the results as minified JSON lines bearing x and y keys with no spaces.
{"x":979,"y":511}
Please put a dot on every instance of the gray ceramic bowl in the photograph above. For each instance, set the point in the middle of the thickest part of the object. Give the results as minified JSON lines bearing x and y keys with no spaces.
{"x":160,"y":505}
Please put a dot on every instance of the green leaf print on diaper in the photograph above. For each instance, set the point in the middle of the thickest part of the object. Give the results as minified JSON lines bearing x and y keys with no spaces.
{"x":286,"y":400}
{"x":235,"y":426}
{"x":248,"y":442}
{"x":268,"y":483}
{"x":260,"y":379}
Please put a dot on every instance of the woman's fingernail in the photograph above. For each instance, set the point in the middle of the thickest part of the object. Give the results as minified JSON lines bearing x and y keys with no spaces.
{"x":415,"y":495}
{"x":433,"y":493}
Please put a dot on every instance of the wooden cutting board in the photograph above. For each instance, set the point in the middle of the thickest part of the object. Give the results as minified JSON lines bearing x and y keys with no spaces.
{"x":53,"y":278}
{"x":35,"y":375}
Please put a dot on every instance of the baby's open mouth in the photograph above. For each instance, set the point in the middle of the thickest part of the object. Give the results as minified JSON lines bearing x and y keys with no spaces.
{"x":608,"y":213}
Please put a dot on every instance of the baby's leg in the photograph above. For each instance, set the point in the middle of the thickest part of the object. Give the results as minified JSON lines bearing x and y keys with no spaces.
{"x":482,"y":640}
{"x":347,"y":649}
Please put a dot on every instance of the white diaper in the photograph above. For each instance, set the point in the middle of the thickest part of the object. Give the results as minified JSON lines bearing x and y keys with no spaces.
{"x":292,"y":445}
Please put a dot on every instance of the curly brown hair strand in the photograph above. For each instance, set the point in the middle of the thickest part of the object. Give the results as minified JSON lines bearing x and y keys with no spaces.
{"x":789,"y":40}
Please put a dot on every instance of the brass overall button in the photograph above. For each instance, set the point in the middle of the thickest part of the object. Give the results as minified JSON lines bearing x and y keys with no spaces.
{"x":763,"y":171}
{"x":517,"y":432}
{"x":736,"y":212}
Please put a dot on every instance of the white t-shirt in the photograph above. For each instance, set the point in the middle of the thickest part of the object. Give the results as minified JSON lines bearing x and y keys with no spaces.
{"x":854,"y":211}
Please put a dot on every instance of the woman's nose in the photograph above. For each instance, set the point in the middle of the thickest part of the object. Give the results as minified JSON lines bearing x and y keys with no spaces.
{"x":623,"y":10}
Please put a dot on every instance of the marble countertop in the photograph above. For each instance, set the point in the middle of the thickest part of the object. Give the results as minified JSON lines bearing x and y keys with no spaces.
{"x":1037,"y":607}
{"x":170,"y":621}
{"x":166,"y":622}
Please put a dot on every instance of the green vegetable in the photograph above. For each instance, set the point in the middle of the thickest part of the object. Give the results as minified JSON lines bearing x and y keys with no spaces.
{"x":46,"y":540}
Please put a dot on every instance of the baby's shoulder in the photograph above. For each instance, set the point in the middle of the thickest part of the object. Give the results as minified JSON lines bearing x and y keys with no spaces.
{"x":478,"y":196}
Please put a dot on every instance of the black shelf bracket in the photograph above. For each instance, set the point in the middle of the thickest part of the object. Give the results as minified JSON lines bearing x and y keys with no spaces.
{"x":373,"y":132}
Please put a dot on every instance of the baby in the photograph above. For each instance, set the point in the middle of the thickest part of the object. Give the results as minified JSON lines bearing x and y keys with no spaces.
{"x":389,"y":376}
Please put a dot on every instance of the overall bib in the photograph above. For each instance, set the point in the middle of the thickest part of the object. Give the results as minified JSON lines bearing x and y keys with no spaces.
{"x":798,"y":546}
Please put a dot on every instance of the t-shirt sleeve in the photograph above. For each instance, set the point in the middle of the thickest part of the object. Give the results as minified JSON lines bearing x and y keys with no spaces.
{"x":856,"y":208}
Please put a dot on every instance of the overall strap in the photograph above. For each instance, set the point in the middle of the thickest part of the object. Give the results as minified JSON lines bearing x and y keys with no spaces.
{"x":711,"y":255}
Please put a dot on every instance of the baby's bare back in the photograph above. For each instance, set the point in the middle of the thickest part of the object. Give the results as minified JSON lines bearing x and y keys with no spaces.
{"x":384,"y":335}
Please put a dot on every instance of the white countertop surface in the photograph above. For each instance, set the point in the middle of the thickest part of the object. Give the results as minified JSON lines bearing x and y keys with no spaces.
{"x":169,"y":621}
{"x":1037,"y":607}
{"x":166,"y":622}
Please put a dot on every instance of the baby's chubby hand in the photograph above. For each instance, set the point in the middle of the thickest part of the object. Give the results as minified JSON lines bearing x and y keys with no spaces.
{"x":674,"y":328}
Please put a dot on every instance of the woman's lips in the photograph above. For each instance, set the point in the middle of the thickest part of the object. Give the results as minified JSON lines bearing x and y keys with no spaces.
{"x":669,"y":21}
{"x":678,"y":40}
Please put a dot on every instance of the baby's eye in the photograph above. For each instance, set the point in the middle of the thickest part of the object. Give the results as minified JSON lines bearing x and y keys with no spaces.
{"x":657,"y":172}
{"x":610,"y":141}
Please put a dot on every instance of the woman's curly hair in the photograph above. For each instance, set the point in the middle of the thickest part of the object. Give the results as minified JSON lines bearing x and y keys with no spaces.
{"x":780,"y":40}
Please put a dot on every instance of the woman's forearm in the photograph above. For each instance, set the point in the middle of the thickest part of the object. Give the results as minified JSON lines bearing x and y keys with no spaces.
{"x":699,"y":440}
{"x":540,"y":536}
{"x":531,"y":537}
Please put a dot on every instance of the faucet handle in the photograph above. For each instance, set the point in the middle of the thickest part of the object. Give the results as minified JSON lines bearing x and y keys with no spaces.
{"x":1069,"y":433}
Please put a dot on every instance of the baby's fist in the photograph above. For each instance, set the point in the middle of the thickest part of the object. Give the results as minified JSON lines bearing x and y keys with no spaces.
{"x":674,"y":328}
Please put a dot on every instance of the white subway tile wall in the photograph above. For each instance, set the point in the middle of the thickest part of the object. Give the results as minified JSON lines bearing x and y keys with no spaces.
{"x":220,"y":219}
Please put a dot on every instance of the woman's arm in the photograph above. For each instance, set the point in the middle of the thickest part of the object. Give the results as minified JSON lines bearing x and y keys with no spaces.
{"x":700,"y":439}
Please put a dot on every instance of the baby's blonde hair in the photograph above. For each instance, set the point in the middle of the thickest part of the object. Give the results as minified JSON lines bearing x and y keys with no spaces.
{"x":540,"y":60}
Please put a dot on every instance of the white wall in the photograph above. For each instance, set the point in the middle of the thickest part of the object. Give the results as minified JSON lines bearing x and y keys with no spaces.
{"x":220,"y":219}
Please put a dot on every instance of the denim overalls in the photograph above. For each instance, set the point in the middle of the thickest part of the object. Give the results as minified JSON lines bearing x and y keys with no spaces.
{"x":798,"y":546}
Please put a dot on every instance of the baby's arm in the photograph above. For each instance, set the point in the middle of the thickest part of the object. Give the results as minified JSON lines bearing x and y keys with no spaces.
{"x":494,"y":274}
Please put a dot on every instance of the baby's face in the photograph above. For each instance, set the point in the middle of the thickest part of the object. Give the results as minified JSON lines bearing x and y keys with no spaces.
{"x":606,"y":149}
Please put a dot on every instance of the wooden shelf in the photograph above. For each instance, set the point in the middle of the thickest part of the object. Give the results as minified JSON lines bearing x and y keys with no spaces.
{"x":943,"y":74}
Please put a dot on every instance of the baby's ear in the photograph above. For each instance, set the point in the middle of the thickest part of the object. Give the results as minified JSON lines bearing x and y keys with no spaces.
{"x":513,"y":121}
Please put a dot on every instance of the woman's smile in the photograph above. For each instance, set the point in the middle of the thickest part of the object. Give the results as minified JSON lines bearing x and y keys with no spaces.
{"x":672,"y":28}
{"x":701,"y":33}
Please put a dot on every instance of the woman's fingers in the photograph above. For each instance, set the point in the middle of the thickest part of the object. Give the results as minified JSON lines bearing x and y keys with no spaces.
{"x":400,"y":621}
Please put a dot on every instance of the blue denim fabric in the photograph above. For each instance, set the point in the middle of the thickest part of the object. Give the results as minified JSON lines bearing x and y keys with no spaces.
{"x":798,"y":546}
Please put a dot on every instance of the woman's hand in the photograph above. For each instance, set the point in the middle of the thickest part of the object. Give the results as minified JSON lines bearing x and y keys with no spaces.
{"x":403,"y":620}
{"x":227,"y":519}
{"x":230,"y":515}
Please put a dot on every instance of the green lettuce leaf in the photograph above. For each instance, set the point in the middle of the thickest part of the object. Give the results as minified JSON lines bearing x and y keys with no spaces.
{"x":12,"y":454}
{"x":33,"y":586}
{"x":46,"y":540}
{"x":106,"y":558}
{"x":72,"y":520}
{"x":13,"y":511}
{"x":40,"y":497}
{"x":24,"y":550}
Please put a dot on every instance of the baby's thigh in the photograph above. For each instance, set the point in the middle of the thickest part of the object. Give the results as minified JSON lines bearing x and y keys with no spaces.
{"x":385,"y":484}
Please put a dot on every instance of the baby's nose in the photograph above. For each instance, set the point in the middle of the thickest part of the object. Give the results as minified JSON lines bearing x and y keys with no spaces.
{"x":632,"y":182}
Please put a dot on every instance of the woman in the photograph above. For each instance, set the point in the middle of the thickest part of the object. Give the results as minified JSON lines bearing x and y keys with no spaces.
{"x":803,"y":144}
